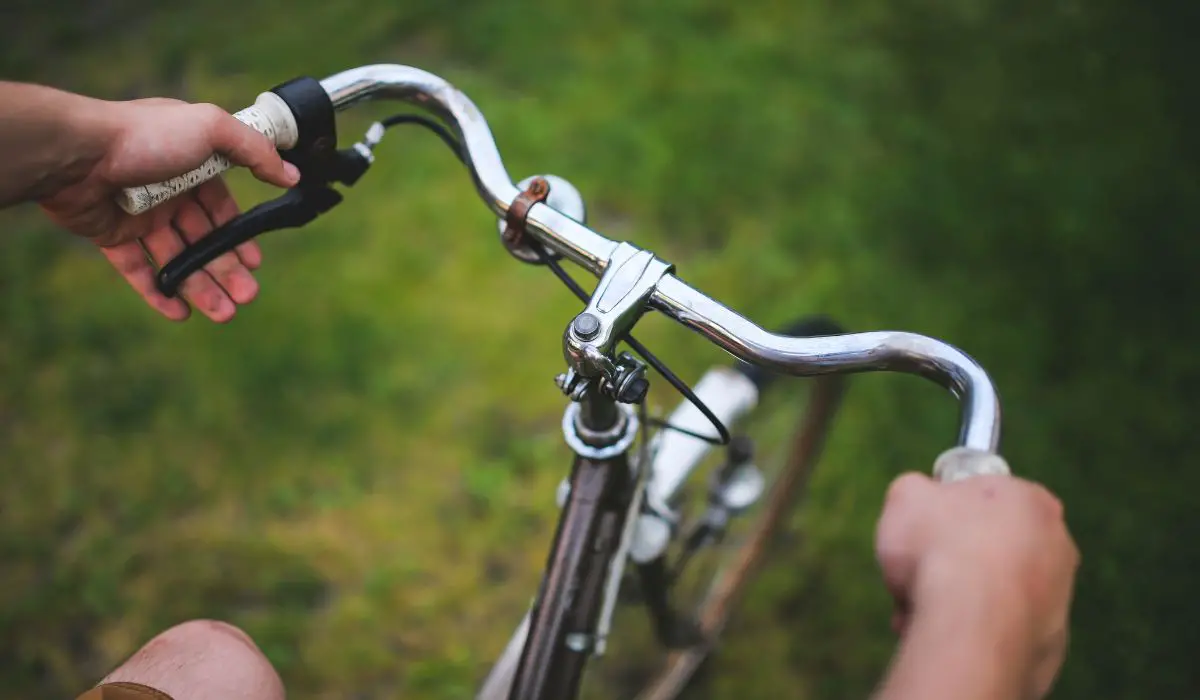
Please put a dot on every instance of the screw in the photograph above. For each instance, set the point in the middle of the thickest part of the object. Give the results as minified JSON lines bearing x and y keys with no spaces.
{"x":586,"y":326}
{"x":540,"y":187}
{"x":579,"y":642}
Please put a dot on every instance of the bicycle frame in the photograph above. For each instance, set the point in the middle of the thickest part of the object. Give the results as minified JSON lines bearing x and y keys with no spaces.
{"x":671,"y":459}
{"x":585,"y":546}
{"x":605,"y":503}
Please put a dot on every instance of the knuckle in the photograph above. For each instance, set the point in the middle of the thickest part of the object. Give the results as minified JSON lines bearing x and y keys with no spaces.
{"x":207,"y":633}
{"x":212,"y":303}
{"x":1054,"y":506}
{"x":202,"y":293}
{"x":211,"y":113}
{"x":900,"y":511}
{"x":1046,"y":502}
{"x":163,"y":101}
{"x":222,"y":267}
{"x":261,"y":149}
{"x":906,"y":487}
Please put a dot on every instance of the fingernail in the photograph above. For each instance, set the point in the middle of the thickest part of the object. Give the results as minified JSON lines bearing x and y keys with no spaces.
{"x":292,"y":172}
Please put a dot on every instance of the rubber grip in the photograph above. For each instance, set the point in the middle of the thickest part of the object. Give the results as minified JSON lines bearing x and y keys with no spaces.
{"x":269,"y":115}
{"x":960,"y":463}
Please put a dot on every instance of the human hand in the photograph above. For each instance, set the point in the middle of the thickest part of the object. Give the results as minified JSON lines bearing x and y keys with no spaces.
{"x":152,"y":140}
{"x":988,"y":555}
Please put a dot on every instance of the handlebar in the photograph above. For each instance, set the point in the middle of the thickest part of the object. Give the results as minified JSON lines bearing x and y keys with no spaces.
{"x":856,"y":352}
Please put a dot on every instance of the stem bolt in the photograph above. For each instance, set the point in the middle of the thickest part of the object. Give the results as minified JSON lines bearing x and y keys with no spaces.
{"x":586,"y":326}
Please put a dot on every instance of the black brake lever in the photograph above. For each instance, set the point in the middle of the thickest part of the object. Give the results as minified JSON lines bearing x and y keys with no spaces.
{"x":295,"y":208}
{"x":320,"y":164}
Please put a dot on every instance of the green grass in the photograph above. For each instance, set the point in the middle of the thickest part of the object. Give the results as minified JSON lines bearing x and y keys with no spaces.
{"x":338,"y":469}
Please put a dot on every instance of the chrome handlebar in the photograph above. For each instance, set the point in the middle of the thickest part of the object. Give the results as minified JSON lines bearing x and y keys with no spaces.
{"x":861,"y":352}
{"x":558,"y":232}
{"x":856,"y":352}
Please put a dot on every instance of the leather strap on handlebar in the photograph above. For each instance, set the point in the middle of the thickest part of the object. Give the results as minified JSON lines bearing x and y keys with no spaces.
{"x":518,"y":211}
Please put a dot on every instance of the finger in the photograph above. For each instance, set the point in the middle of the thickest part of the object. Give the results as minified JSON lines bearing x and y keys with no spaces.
{"x":903,"y":507}
{"x":199,"y":288}
{"x":906,"y":487}
{"x":159,"y":101}
{"x":899,"y":534}
{"x":246,"y":147}
{"x":221,"y":207}
{"x":1050,"y":506}
{"x":194,"y":223}
{"x":250,"y":254}
{"x":130,"y":260}
{"x":1049,"y":663}
{"x":900,"y":619}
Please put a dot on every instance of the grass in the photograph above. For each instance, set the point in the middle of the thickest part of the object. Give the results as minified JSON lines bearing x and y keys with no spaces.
{"x":360,"y":469}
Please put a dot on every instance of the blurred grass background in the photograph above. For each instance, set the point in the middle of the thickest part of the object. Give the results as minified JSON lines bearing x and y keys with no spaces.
{"x":359,"y":470}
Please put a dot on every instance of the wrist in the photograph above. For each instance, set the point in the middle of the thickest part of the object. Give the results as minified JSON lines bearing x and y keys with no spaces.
{"x":90,"y":130}
{"x":51,"y":138}
{"x":968,"y":638}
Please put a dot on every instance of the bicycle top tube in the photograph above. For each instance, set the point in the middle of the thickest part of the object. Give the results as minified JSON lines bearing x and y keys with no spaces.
{"x":856,"y":352}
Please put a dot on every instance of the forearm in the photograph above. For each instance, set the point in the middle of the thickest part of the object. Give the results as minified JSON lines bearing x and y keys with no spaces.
{"x":970,"y":649}
{"x":48,"y":139}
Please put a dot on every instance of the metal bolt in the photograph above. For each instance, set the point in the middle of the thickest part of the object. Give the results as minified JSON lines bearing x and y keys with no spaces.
{"x":540,"y":187}
{"x":579,"y":642}
{"x":586,"y":326}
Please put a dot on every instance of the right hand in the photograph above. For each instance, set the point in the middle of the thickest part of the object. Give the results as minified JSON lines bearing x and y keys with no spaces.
{"x":998,"y":540}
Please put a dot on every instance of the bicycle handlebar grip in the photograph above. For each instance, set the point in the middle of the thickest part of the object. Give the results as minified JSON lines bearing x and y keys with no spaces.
{"x":269,"y":115}
{"x":960,"y":463}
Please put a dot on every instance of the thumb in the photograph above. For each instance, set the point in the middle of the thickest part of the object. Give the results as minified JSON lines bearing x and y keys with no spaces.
{"x":246,"y":147}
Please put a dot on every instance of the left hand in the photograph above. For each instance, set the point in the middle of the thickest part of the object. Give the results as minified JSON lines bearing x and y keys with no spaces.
{"x":152,"y":140}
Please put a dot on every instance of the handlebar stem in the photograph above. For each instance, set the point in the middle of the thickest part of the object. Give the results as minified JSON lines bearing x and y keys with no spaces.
{"x":621,"y":297}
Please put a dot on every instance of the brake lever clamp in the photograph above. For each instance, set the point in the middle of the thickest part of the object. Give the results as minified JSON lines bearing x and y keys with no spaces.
{"x":514,"y":219}
{"x":563,"y":197}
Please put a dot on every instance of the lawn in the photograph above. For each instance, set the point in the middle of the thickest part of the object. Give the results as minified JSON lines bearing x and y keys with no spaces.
{"x":360,"y":469}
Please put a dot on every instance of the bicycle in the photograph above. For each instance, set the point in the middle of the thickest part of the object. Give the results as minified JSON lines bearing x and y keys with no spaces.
{"x":623,"y":508}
